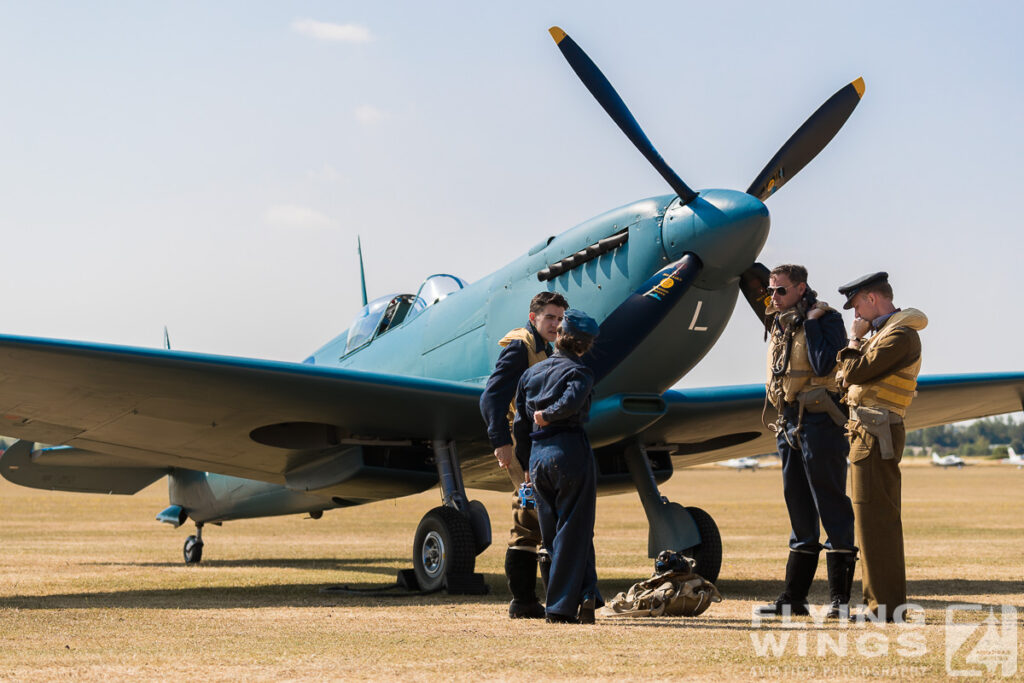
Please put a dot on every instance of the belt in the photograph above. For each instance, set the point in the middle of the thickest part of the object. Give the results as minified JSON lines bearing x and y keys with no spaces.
{"x":552,"y":430}
{"x":876,"y":421}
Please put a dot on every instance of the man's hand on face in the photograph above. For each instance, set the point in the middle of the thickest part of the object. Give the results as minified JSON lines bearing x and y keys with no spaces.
{"x":859,"y":328}
{"x":504,"y":454}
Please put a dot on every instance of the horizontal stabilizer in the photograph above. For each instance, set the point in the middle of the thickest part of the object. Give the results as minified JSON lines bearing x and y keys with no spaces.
{"x":72,"y":469}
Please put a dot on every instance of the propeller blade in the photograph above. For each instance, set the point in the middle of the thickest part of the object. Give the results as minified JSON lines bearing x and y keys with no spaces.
{"x":636,"y":317}
{"x":606,"y":96}
{"x":754,"y":285}
{"x":807,"y":141}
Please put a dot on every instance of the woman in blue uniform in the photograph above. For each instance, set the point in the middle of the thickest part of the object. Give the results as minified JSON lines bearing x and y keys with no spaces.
{"x":552,"y":405}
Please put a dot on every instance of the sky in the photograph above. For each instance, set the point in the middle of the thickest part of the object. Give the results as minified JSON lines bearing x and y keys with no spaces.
{"x":209,"y":166}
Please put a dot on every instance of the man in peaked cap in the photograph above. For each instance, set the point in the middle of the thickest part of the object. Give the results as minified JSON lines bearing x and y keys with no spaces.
{"x":879,"y":369}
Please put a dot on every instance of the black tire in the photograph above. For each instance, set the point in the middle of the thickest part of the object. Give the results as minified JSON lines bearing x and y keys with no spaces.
{"x":193,"y":550}
{"x":480,"y":521}
{"x":708,"y":553}
{"x":444,"y":545}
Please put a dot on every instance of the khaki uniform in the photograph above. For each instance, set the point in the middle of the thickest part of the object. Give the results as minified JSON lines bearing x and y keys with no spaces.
{"x":881,"y":378}
{"x":525,"y":532}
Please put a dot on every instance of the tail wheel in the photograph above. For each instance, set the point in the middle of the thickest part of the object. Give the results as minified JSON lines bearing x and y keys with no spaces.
{"x":444,"y":545}
{"x":707,"y":553}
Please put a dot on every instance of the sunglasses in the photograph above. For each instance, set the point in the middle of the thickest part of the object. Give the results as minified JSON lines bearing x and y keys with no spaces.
{"x":781,"y":291}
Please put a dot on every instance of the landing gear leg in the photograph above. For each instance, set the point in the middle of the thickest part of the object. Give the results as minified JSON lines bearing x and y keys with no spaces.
{"x":194,"y":546}
{"x":673,"y":527}
{"x":450,"y":537}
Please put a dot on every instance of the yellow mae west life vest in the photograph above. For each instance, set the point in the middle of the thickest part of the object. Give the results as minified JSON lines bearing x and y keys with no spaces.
{"x":533,"y":356}
{"x":896,"y":390}
{"x":799,"y":376}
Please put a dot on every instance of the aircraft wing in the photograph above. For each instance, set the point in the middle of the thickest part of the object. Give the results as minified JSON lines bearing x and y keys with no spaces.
{"x":719,"y":423}
{"x":235,"y":416}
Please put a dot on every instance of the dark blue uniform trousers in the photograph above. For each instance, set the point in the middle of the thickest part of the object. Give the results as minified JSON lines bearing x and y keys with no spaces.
{"x":814,"y":483}
{"x":564,"y":478}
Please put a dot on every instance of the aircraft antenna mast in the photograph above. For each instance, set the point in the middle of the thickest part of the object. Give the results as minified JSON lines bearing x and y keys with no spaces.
{"x":362,"y":274}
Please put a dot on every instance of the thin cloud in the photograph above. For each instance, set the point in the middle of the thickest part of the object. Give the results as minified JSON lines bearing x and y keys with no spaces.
{"x":326,"y":174}
{"x":367,"y":114}
{"x":294,"y":216}
{"x":339,"y":33}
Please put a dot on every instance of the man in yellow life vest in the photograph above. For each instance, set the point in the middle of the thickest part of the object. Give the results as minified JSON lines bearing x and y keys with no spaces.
{"x":879,"y":369}
{"x":806,"y":335}
{"x":523,"y":347}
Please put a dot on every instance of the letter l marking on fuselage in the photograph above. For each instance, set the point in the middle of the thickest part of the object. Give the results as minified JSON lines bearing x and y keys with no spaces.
{"x":696,"y":314}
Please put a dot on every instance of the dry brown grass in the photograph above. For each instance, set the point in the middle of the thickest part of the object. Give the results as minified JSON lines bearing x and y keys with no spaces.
{"x":92,"y":587}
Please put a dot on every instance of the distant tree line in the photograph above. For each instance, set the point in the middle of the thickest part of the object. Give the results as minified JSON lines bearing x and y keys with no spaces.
{"x":989,"y":436}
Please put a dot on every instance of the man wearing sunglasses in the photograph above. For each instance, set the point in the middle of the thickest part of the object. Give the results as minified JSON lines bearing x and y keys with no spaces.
{"x":806,"y":336}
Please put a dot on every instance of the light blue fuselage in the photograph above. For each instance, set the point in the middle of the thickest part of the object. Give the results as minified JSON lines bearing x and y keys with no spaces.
{"x":456,"y":338}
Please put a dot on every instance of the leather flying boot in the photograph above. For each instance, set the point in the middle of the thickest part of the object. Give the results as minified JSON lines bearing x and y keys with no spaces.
{"x":521,"y":572}
{"x":840,"y":567}
{"x":587,"y":609}
{"x":800,"y":568}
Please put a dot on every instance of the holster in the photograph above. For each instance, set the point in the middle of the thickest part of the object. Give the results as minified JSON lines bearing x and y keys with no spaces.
{"x":819,"y":400}
{"x":876,"y":421}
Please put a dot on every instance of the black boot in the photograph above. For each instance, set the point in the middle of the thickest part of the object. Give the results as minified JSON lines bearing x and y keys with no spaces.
{"x":840,"y":567}
{"x":800,"y":570}
{"x":587,"y":609}
{"x":521,"y":571}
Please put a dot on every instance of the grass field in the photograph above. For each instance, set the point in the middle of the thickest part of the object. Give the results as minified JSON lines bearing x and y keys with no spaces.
{"x":92,"y":587}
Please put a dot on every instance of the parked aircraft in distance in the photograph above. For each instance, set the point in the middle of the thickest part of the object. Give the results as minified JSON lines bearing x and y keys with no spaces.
{"x":947,"y":460}
{"x":1013,"y":458}
{"x":740,"y":464}
{"x":389,"y":407}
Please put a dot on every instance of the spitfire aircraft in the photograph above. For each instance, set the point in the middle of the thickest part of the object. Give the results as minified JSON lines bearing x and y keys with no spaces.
{"x":389,"y":407}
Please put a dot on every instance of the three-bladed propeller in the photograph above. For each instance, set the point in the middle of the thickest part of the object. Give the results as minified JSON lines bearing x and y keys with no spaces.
{"x":805,"y":144}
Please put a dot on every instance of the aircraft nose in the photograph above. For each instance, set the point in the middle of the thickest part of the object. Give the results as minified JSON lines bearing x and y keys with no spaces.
{"x":725,"y":228}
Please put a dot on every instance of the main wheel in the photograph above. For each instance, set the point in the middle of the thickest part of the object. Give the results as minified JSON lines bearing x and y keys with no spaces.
{"x":444,"y":545}
{"x":193,"y":550}
{"x":707,"y":553}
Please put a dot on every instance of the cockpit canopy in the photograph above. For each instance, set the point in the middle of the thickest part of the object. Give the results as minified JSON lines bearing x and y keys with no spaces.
{"x":380,"y":315}
{"x":437,"y":287}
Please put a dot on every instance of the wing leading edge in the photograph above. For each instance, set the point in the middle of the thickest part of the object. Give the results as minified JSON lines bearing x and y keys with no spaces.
{"x":257,"y":419}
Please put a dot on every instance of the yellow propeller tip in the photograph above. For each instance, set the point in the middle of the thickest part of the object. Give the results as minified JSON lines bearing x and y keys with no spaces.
{"x":557,"y":33}
{"x":858,"y":85}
